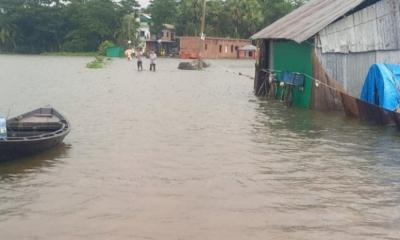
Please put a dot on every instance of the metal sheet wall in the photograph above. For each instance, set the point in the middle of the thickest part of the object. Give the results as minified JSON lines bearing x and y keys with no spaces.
{"x":326,"y":94}
{"x":351,"y":69}
{"x":373,"y":28}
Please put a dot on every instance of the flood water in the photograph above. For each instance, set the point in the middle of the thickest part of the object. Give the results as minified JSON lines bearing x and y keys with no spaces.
{"x":177,"y":155}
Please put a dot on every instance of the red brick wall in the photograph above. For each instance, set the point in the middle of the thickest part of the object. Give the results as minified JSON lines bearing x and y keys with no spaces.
{"x":213,"y":47}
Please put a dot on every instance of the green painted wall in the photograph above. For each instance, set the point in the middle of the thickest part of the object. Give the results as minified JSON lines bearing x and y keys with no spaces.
{"x":115,"y":52}
{"x":294,"y":57}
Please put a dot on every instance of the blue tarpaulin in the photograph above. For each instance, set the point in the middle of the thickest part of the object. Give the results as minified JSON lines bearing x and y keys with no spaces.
{"x":382,"y":86}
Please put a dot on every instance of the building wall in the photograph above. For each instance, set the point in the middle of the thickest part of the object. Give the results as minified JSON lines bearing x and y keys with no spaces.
{"x":213,"y":47}
{"x":294,"y":57}
{"x":347,"y":48}
{"x":350,"y":70}
{"x":146,"y":30}
{"x":168,"y":35}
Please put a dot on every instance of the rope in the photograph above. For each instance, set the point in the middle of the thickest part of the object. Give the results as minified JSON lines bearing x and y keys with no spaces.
{"x":316,"y":81}
{"x":236,"y":73}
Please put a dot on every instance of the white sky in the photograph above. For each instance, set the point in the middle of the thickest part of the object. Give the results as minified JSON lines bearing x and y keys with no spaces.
{"x":143,"y":3}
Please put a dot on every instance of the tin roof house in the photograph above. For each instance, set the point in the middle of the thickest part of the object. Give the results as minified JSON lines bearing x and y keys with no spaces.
{"x":144,"y":21}
{"x":322,"y":52}
{"x":165,"y":43}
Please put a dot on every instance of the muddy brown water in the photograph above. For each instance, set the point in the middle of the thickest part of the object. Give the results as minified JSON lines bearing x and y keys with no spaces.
{"x":177,"y":155}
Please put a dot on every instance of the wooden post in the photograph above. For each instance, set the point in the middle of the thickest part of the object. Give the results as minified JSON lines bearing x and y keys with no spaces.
{"x":202,"y":36}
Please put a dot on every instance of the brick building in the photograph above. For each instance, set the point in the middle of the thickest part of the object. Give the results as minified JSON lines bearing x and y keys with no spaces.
{"x":213,"y":47}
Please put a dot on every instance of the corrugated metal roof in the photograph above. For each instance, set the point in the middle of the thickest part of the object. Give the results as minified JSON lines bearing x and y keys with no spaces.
{"x":307,"y":20}
{"x":374,"y":28}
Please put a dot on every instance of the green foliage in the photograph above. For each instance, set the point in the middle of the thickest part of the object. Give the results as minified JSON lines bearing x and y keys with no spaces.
{"x":275,"y":9}
{"x":189,"y":17}
{"x":103,"y":47}
{"x":246,"y":16}
{"x":92,"y":23}
{"x":162,"y":11}
{"x":97,"y":63}
{"x":127,"y":31}
{"x":70,"y":54}
{"x":35,"y":26}
{"x":224,"y":18}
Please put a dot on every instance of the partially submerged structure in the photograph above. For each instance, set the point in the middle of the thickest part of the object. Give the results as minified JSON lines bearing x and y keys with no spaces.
{"x":166,"y":43}
{"x":332,"y":43}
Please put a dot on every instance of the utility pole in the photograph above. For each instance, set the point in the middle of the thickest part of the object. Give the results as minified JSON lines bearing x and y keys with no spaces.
{"x":129,"y":32}
{"x":202,"y":36}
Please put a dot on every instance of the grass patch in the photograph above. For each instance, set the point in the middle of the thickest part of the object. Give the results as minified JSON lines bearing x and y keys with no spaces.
{"x":98,"y":62}
{"x":70,"y":54}
{"x":95,"y":65}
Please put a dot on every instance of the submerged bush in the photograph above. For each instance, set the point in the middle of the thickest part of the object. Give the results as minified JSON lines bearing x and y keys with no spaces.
{"x":98,"y":62}
{"x":103,"y":47}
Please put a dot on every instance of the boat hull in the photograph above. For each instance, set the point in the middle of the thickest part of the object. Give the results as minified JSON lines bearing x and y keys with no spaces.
{"x":13,"y":150}
{"x":33,"y":133}
{"x":367,"y":112}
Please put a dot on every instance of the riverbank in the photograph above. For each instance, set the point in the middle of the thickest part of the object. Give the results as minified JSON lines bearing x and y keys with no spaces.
{"x":70,"y":54}
{"x":61,"y":54}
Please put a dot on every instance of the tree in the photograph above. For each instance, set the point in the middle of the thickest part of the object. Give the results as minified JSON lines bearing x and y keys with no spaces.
{"x":34,"y":26}
{"x":128,"y":7}
{"x":91,"y":23}
{"x":31,"y":26}
{"x":245,"y":16}
{"x":217,"y":19}
{"x":275,"y":9}
{"x":8,"y":34}
{"x":128,"y":30}
{"x":162,"y":11}
{"x":189,"y":17}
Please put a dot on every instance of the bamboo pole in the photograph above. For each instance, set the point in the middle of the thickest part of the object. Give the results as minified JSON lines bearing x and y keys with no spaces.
{"x":202,"y":36}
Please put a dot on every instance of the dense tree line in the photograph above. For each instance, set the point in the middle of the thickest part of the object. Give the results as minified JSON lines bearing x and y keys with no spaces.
{"x":224,"y":18}
{"x":35,"y":26}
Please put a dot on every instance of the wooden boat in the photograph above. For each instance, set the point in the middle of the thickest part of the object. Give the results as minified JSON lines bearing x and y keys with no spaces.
{"x":32,"y":132}
{"x":396,"y":118}
{"x":354,"y":107}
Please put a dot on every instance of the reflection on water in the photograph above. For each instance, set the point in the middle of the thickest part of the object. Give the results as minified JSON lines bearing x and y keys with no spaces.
{"x":19,"y":167}
{"x":190,"y":155}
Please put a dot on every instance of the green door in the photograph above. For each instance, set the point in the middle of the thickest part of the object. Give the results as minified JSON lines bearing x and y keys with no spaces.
{"x":293,"y":57}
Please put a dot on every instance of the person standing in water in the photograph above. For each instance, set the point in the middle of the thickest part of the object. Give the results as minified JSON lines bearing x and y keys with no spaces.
{"x":139,"y":57}
{"x":153,"y":57}
{"x":128,"y":54}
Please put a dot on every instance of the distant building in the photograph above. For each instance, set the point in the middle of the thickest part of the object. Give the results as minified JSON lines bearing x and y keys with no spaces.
{"x":144,"y":27}
{"x":168,"y":32}
{"x":213,"y":48}
{"x":247,"y":52}
{"x":166,"y":44}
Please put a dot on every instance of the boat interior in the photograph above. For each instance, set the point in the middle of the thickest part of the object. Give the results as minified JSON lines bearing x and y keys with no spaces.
{"x":35,"y":124}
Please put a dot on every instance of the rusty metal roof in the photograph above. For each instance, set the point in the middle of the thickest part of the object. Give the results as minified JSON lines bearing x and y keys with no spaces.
{"x":248,"y":48}
{"x":307,"y":20}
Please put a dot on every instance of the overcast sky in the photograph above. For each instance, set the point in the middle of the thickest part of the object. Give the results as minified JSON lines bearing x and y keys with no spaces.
{"x":144,"y":3}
